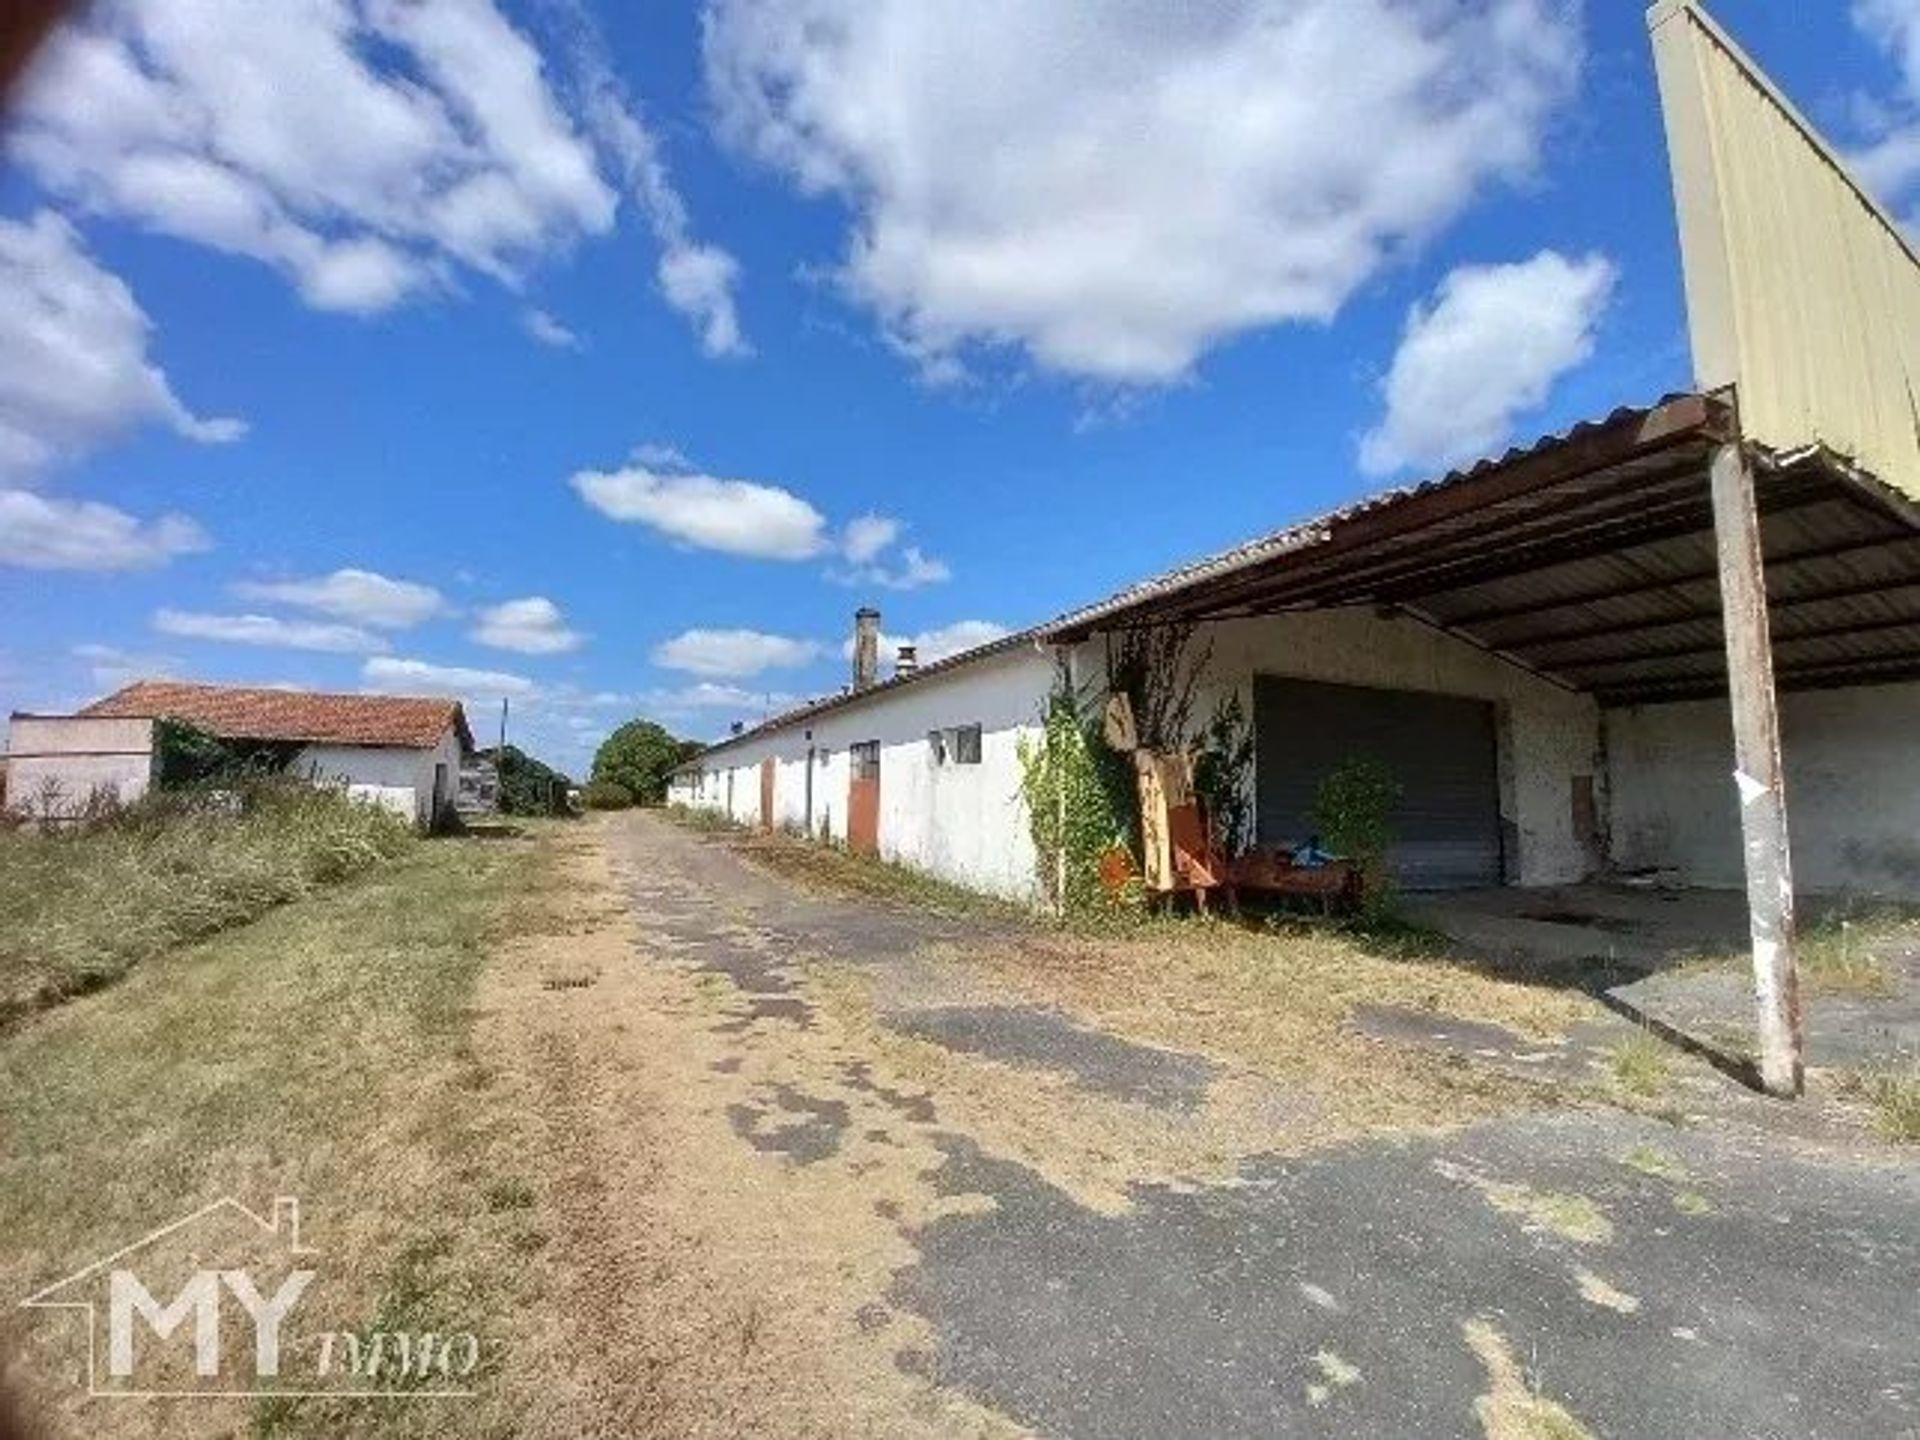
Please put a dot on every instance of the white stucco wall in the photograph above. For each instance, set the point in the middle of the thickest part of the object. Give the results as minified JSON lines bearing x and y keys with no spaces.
{"x":965,"y":823}
{"x":1853,"y":789}
{"x":70,"y":757}
{"x":399,"y":779}
{"x":1547,"y":735}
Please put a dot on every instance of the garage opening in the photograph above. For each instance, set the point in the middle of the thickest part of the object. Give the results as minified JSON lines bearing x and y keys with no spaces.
{"x":1441,"y":749}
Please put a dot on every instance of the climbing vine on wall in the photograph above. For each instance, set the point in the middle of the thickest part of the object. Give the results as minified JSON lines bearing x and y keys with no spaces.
{"x":1071,"y":807}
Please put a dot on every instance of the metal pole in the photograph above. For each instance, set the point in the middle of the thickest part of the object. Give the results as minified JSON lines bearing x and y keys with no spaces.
{"x":1757,"y":772}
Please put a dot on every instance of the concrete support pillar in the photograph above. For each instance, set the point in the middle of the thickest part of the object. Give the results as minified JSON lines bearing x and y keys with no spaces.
{"x":1758,"y":775}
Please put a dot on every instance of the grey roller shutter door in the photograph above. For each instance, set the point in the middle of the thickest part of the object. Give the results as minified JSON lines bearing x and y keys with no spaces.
{"x":1440,"y":748}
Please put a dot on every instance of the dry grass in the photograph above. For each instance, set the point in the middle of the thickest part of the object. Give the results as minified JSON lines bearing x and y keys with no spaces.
{"x":325,"y":1052}
{"x":841,"y":872}
{"x":78,"y":908}
{"x":1274,"y":997}
{"x":1281,"y":1003}
{"x":1844,"y":954}
{"x":1513,"y":1407}
{"x":1894,"y":1094}
{"x":1847,"y":956}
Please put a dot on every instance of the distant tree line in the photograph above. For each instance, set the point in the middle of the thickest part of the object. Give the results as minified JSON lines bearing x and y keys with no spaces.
{"x":525,"y":785}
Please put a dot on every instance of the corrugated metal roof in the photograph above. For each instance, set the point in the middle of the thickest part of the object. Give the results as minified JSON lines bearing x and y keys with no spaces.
{"x":1252,"y":553}
{"x":1587,"y":556}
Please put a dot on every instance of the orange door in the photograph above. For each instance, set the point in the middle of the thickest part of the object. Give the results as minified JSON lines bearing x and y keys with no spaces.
{"x":766,"y":794}
{"x":863,"y":798}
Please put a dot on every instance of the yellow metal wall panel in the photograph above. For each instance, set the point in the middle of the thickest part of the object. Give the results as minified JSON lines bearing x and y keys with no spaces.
{"x":1801,"y":291}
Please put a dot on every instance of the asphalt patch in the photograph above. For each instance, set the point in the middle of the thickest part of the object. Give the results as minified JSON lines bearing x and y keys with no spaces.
{"x":1046,"y":1040}
{"x":1787,"y":1310}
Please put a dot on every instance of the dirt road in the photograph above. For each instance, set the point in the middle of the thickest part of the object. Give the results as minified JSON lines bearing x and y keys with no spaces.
{"x":826,"y":1166}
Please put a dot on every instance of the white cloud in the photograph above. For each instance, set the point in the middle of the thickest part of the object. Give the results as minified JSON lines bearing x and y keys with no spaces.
{"x":867,"y":535}
{"x":371,"y":150}
{"x":38,"y":533}
{"x":360,"y":596}
{"x":915,"y":568}
{"x":1890,"y":164}
{"x":1116,"y":187}
{"x":706,"y":695}
{"x":533,"y":626}
{"x":112,"y":667}
{"x":696,"y":279}
{"x":422,"y":677}
{"x":74,"y":370}
{"x":549,"y":331}
{"x":1486,"y":348}
{"x":864,"y":544}
{"x":733,"y":654}
{"x":737,"y":517}
{"x":268,"y":630}
{"x":940,"y":644}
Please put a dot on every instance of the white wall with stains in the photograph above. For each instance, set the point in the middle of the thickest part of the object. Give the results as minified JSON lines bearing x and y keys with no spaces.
{"x":966,"y":823}
{"x":399,"y":779}
{"x":1853,"y":789}
{"x":57,"y":763}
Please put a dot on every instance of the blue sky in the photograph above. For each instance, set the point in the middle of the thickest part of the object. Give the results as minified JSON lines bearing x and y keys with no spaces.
{"x":607,"y":357}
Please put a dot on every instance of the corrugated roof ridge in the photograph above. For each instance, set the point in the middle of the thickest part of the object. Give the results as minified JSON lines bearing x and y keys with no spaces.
{"x":1274,"y":542}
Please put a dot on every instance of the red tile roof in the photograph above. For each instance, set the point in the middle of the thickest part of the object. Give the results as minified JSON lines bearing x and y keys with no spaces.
{"x":236,"y":712}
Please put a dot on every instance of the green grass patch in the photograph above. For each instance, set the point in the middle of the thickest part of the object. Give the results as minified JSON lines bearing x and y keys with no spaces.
{"x":325,"y":1051}
{"x":80,"y":907}
{"x":1640,"y":1063}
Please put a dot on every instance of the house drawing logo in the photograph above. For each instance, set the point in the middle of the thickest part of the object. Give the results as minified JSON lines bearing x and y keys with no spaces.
{"x":206,"y":1306}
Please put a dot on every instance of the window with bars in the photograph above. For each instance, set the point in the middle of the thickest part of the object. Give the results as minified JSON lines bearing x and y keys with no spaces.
{"x":864,"y":757}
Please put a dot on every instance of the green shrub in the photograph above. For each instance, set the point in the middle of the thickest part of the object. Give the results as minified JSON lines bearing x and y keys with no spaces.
{"x":606,"y":795}
{"x":1353,"y":810}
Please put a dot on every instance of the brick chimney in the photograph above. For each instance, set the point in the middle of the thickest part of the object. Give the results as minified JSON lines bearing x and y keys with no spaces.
{"x":907,"y":661}
{"x":866,"y":648}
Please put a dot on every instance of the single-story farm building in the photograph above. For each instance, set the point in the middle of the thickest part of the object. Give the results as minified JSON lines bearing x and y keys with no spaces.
{"x":1533,"y":647}
{"x":404,"y":753}
{"x":1637,"y":645}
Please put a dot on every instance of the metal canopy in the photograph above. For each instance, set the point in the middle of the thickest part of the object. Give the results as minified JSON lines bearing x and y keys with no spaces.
{"x":1590,"y":560}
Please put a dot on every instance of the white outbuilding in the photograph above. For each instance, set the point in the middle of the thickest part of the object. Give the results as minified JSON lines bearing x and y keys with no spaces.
{"x":401,"y":752}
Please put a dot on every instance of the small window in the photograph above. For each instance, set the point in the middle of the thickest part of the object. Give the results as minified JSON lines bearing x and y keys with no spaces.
{"x":964,"y":745}
{"x":956,"y":745}
{"x":864,"y":757}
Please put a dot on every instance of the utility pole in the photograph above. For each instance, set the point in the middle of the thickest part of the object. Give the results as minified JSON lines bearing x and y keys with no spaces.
{"x":500,"y":759}
{"x":1758,"y":774}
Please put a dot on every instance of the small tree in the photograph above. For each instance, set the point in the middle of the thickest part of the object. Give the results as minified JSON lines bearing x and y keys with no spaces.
{"x":639,"y":757}
{"x":1354,"y":814}
{"x":1223,"y":774}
